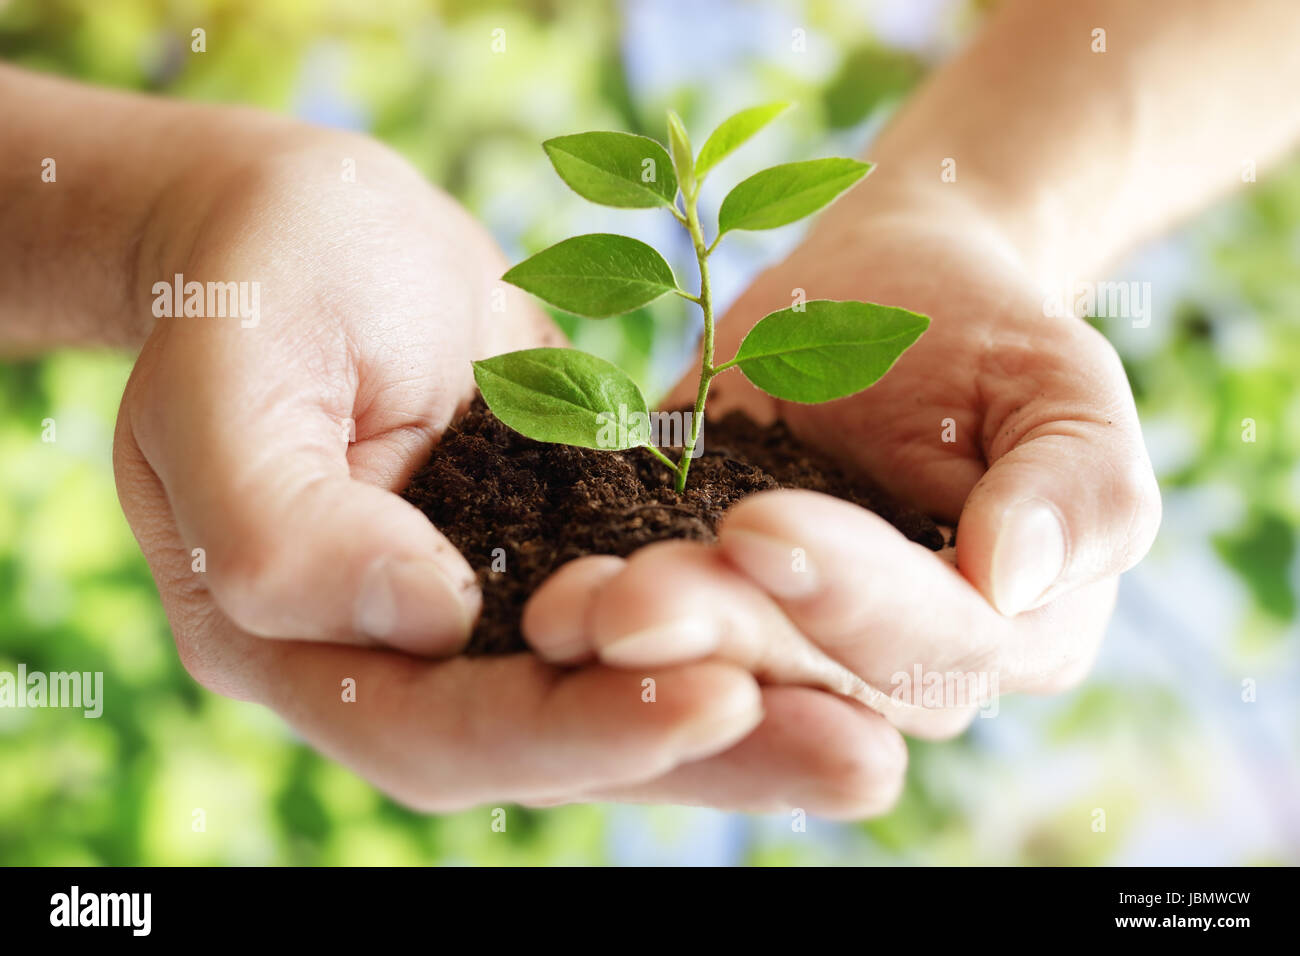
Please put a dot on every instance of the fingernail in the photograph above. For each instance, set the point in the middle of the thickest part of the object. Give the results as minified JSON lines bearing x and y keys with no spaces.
{"x":413,"y":606}
{"x":779,"y":567}
{"x":663,"y":644}
{"x":1028,"y":555}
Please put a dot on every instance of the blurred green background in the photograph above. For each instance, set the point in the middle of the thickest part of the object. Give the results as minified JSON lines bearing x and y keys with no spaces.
{"x":1160,"y":738}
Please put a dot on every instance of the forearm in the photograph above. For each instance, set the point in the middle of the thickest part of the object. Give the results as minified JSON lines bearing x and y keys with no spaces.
{"x":101,"y":189}
{"x":86,"y":171}
{"x":1074,"y":155}
{"x":138,"y":182}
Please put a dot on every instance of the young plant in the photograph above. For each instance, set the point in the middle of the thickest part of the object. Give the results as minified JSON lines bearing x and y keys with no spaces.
{"x":813,"y":352}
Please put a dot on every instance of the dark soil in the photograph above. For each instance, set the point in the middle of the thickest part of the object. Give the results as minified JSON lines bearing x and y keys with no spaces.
{"x":488,"y":487}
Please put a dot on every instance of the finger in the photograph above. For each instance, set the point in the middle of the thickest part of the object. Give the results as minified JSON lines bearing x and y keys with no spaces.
{"x":472,"y":730}
{"x":454,"y":734}
{"x":816,"y":753}
{"x":1069,"y":497}
{"x":675,"y":602}
{"x":884,"y":606}
{"x":679,"y":601}
{"x":257,"y":477}
{"x":813,"y":752}
{"x":554,"y":622}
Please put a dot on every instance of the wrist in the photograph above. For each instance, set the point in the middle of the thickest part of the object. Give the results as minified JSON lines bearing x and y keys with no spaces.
{"x":277,"y":206}
{"x":893,"y":209}
{"x":267,"y":194}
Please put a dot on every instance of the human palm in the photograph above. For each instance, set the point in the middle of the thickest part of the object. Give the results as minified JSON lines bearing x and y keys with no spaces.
{"x":1018,"y":428}
{"x":258,"y":467}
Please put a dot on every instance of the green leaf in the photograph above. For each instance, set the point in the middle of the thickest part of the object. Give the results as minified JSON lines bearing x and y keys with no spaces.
{"x":785,"y":193}
{"x":683,"y":158}
{"x":614,"y":169}
{"x":565,"y":396}
{"x":596,"y":275}
{"x":734,"y":131}
{"x":828,"y":350}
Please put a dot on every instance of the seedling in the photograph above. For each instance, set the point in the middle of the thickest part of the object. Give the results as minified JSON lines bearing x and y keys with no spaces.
{"x":813,"y":352}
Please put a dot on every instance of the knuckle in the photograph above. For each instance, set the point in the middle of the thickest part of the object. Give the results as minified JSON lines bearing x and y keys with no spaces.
{"x":202,"y":660}
{"x":197,"y":663}
{"x":1136,"y":496}
{"x":247,"y":584}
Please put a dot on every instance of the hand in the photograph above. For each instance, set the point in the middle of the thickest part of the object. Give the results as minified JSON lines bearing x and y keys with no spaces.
{"x":1046,"y":475}
{"x":276,"y":449}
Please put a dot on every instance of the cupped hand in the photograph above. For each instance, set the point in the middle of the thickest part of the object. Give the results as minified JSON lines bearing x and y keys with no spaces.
{"x":1018,"y":428}
{"x":257,"y":461}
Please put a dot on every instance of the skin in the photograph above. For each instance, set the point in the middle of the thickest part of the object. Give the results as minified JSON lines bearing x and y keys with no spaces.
{"x":377,"y":294}
{"x":1047,"y":480}
{"x":1045,"y":401}
{"x":375,"y":297}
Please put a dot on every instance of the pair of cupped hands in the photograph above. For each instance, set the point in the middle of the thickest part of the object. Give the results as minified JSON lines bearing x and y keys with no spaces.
{"x":260,"y":470}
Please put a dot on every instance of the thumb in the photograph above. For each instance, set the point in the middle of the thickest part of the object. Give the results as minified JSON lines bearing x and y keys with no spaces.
{"x":1069,"y":496}
{"x":287,"y":542}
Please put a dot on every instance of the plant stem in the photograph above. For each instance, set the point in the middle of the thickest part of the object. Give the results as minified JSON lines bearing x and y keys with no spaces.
{"x":707,"y":371}
{"x":662,"y":457}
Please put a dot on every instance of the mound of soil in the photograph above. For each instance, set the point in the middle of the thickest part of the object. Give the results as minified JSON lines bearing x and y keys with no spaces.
{"x":487,"y":487}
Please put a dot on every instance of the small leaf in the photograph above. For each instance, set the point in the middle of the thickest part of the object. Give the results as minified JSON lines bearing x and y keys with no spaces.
{"x":829,"y":350}
{"x":783,"y":194}
{"x":683,"y":158}
{"x":734,"y":131}
{"x":614,"y":169}
{"x":596,"y":275}
{"x":565,"y":396}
